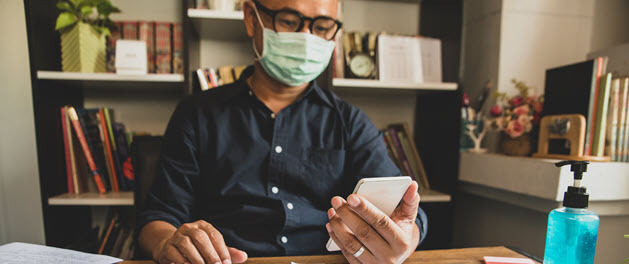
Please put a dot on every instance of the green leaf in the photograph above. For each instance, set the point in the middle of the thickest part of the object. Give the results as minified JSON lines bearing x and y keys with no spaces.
{"x":64,"y":20}
{"x":87,"y":10}
{"x":65,"y":6}
{"x":626,"y":260}
{"x":105,"y":31}
{"x":626,"y":236}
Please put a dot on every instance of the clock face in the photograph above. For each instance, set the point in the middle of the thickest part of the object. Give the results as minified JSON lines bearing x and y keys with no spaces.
{"x":361,"y":65}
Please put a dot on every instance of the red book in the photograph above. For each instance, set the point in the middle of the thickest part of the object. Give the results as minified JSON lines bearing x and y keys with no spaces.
{"x":177,"y":48}
{"x":109,"y":156}
{"x":130,"y":30}
{"x":116,"y":34}
{"x":146,"y":32}
{"x":163,"y":51}
{"x":66,"y":148}
{"x":599,"y":72}
{"x":86,"y":149}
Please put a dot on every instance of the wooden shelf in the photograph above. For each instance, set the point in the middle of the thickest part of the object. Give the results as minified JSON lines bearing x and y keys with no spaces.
{"x":432,"y":196}
{"x":376,"y":84}
{"x":79,"y":76}
{"x":225,"y":25}
{"x":93,"y":199}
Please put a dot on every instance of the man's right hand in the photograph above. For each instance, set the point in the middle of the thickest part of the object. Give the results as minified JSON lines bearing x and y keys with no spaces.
{"x":197,"y":243}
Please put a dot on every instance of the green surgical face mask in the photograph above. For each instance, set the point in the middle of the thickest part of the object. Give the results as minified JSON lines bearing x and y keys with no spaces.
{"x":293,"y":58}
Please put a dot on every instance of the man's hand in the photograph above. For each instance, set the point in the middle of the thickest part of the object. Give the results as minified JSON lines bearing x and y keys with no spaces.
{"x":197,"y":243}
{"x":358,"y":223}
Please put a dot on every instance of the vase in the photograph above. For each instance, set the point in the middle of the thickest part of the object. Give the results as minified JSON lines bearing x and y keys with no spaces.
{"x":520,"y":146}
{"x":83,"y":49}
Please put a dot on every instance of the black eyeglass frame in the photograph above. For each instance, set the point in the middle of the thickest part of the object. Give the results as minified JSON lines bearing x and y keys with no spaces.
{"x":273,"y":14}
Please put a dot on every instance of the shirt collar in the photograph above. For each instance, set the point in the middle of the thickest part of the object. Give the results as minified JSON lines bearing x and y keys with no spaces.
{"x":241,"y":88}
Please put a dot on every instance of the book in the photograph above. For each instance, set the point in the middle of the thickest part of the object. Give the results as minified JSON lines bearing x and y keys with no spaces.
{"x":396,"y":157}
{"x":611,"y":136}
{"x":109,"y":120}
{"x":390,"y":151}
{"x":116,"y":34}
{"x":397,"y":147}
{"x":226,"y":75}
{"x":202,"y":80}
{"x":146,"y":32}
{"x":177,"y":48}
{"x":594,"y":95}
{"x":238,"y":71}
{"x":130,"y":30}
{"x":568,"y":90}
{"x":107,"y":146}
{"x":414,"y":158}
{"x":66,"y":149}
{"x":202,"y":4}
{"x":598,"y":134}
{"x":625,"y":143}
{"x":86,"y":150}
{"x":163,"y":51}
{"x":622,"y":121}
{"x":122,"y":147}
{"x":213,"y":78}
{"x":91,"y":129}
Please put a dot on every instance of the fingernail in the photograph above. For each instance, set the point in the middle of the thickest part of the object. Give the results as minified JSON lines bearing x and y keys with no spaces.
{"x":327,"y":226}
{"x":331,"y":213}
{"x":227,"y":261}
{"x":353,"y":200}
{"x":337,"y":202}
{"x":218,"y":262}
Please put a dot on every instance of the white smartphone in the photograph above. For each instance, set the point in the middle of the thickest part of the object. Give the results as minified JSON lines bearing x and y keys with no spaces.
{"x":385,"y":193}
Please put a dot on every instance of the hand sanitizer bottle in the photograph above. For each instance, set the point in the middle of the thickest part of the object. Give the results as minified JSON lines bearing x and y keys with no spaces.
{"x":572,"y":229}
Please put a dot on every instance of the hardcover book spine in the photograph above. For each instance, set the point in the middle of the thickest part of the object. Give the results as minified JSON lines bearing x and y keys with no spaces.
{"x":130,"y":30}
{"x":591,"y":118}
{"x":598,"y":144}
{"x":146,"y":32}
{"x":622,"y":113}
{"x":116,"y":34}
{"x":400,"y":151}
{"x":86,"y":150}
{"x":163,"y":51}
{"x":177,"y":48}
{"x":108,"y":153}
{"x":625,"y":146}
{"x":612,"y":121}
{"x":66,"y":148}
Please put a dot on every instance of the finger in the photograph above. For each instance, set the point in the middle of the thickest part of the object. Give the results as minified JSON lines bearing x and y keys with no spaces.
{"x":203,"y":245}
{"x":349,"y":256}
{"x":218,"y":242}
{"x":380,"y":222}
{"x":185,"y":246}
{"x":172,"y":255}
{"x":410,"y":202}
{"x":348,"y":241}
{"x":238,"y":256}
{"x":362,"y":230}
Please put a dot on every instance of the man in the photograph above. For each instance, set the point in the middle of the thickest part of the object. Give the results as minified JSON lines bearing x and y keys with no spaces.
{"x":251,"y":168}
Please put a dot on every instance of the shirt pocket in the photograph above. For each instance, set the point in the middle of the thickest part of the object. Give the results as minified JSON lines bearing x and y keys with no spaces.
{"x":323,"y":169}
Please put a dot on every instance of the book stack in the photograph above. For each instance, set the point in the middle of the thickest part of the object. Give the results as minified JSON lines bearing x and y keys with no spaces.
{"x":403,"y":151}
{"x":211,"y":78}
{"x":116,"y":238}
{"x":96,"y":151}
{"x":164,"y":44}
{"x":617,"y":136}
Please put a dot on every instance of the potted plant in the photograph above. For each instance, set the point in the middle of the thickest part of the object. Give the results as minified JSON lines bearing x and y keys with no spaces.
{"x":517,"y":117}
{"x":83,"y":33}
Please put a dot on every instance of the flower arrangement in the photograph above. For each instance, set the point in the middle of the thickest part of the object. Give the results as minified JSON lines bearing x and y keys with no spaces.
{"x":518,"y":115}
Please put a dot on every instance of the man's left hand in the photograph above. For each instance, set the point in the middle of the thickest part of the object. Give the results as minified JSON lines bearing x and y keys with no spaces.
{"x":357,"y":225}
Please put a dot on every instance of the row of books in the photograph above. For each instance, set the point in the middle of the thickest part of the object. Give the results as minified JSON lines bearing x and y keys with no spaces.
{"x":96,"y":151}
{"x":116,"y":238}
{"x":211,"y":78}
{"x":617,"y":136}
{"x":164,"y":44}
{"x":403,"y":151}
{"x":219,"y":4}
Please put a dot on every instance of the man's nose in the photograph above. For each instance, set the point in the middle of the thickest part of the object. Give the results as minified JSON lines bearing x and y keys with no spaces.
{"x":306,"y":28}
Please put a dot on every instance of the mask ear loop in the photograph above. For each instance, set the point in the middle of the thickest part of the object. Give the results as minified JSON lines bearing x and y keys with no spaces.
{"x":258,"y":56}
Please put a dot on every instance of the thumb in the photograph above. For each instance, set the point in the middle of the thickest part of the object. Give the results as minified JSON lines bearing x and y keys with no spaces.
{"x":410,"y":202}
{"x":238,"y":256}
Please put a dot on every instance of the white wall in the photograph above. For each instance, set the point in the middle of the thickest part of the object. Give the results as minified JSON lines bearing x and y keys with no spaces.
{"x":609,"y":27}
{"x":20,"y":201}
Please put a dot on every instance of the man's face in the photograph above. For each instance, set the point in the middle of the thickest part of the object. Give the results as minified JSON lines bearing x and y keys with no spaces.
{"x":308,"y":8}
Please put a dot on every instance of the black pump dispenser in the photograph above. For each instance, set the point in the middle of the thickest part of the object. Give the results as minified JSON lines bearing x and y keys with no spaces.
{"x":576,"y":196}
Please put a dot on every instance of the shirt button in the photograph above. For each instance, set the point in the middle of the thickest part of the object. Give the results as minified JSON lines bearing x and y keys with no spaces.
{"x":272,"y":115}
{"x":250,"y":93}
{"x":278,"y":149}
{"x":289,"y":206}
{"x":284,"y":240}
{"x":275,"y":190}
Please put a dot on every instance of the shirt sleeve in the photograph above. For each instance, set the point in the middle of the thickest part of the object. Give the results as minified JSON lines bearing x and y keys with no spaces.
{"x":368,"y":157}
{"x":171,"y":197}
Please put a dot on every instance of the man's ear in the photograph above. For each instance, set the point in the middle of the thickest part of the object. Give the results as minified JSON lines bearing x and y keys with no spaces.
{"x":248,"y":8}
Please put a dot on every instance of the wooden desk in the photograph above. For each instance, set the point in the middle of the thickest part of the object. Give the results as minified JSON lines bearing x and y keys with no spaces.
{"x":449,"y":256}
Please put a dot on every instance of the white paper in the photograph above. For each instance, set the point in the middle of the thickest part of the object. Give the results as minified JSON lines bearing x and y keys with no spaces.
{"x":501,"y":260}
{"x":37,"y":254}
{"x":431,"y":59}
{"x":399,"y":59}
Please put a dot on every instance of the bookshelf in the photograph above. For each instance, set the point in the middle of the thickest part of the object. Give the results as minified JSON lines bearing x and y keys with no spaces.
{"x":215,"y":38}
{"x":92,"y":199}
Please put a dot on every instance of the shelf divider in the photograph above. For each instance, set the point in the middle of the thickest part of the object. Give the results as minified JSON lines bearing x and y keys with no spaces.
{"x":93,"y":199}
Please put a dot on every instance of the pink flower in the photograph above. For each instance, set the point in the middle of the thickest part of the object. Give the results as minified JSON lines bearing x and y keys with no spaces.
{"x":530,"y":100}
{"x":514,"y":129}
{"x":537,"y":117}
{"x":538,"y":106}
{"x":516,"y":101}
{"x":466,"y":100}
{"x":525,"y":120}
{"x":522,"y":110}
{"x":495,"y":111}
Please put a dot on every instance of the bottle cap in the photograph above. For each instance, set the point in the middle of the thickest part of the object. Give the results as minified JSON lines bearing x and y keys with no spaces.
{"x":576,"y":195}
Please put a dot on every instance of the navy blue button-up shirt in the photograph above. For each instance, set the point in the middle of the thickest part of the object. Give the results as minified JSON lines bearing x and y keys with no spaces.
{"x":265,"y":181}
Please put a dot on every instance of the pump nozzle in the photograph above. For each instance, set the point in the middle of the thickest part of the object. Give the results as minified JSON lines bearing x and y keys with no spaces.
{"x":578,"y":167}
{"x":576,"y":196}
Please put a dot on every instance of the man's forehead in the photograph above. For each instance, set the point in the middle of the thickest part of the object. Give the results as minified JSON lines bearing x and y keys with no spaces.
{"x":309,"y":8}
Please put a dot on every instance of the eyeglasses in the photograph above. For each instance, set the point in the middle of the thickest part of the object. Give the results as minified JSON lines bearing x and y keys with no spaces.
{"x":288,"y":20}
